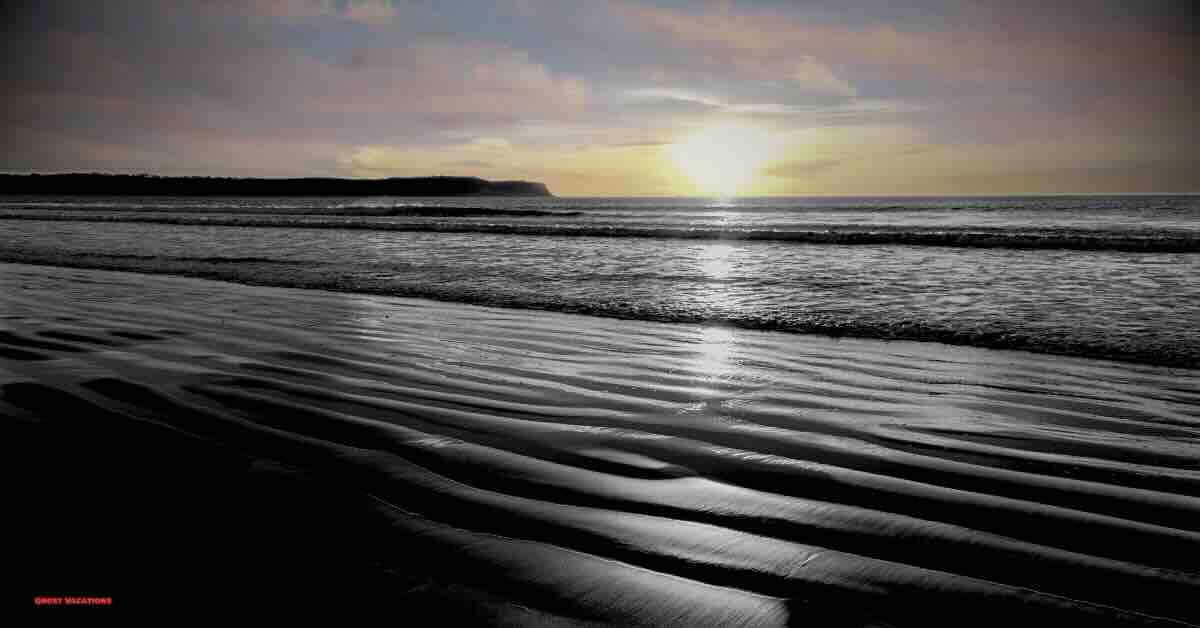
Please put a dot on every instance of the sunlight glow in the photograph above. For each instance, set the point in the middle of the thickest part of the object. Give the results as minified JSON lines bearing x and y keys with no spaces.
{"x":722,"y":160}
{"x":714,"y":260}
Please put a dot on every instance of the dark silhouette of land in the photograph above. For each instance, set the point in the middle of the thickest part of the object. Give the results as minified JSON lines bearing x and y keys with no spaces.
{"x":153,"y":185}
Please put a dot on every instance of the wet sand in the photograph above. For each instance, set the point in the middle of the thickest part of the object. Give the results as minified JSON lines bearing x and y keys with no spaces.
{"x":180,"y":443}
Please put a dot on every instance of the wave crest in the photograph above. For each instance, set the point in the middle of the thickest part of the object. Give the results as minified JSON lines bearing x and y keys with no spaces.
{"x":962,"y":237}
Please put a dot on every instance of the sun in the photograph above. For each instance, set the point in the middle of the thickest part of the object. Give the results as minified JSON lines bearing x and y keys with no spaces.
{"x":721,"y":160}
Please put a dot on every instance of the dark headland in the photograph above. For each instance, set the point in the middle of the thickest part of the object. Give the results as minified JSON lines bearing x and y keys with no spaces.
{"x":152,"y":185}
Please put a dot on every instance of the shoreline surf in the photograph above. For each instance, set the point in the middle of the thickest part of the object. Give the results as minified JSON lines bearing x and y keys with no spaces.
{"x":955,"y":237}
{"x":247,"y":271}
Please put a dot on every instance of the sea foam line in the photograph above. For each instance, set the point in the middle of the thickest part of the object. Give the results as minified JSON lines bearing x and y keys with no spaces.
{"x":961,"y":237}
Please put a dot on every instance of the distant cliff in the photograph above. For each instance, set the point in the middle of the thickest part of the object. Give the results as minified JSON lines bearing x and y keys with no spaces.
{"x":150,"y":185}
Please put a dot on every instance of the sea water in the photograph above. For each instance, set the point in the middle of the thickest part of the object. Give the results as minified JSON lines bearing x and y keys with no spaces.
{"x":1100,"y":276}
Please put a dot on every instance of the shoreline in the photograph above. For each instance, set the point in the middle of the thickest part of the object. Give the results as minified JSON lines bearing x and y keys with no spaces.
{"x":154,"y":266}
{"x":489,"y":465}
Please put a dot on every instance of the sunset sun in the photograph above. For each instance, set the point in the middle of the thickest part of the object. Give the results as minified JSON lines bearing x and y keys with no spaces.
{"x":723,"y":159}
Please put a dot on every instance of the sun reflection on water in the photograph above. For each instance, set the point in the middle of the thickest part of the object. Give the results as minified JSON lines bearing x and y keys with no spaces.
{"x":722,"y":212}
{"x":716,"y":263}
{"x":715,"y":260}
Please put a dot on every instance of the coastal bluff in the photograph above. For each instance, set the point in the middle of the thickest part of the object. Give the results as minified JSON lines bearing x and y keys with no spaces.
{"x":90,"y":184}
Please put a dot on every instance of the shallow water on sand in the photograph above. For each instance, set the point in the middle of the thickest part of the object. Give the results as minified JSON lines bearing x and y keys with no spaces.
{"x":642,"y":473}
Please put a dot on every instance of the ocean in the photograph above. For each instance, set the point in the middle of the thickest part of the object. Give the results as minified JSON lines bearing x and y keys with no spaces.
{"x":1097,"y":276}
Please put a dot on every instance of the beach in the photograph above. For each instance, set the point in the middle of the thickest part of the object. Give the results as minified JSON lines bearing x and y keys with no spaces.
{"x":179,"y":442}
{"x":638,"y":313}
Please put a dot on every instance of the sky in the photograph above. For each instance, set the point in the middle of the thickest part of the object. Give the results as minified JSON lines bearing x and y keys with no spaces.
{"x":621,"y":98}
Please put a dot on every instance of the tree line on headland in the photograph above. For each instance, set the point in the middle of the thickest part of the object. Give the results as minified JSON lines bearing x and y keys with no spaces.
{"x":153,"y":185}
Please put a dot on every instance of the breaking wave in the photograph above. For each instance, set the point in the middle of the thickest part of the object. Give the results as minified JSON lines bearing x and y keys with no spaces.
{"x":963,"y":237}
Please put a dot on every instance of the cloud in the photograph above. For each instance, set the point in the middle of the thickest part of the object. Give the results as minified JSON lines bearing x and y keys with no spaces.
{"x":801,"y":169}
{"x":376,"y":12}
{"x":767,"y":38}
{"x":470,"y":163}
{"x":639,"y":144}
{"x":984,"y":75}
{"x":446,"y":80}
{"x":259,"y":84}
{"x":711,"y":47}
{"x":850,"y":110}
{"x":491,"y":143}
{"x":817,"y":77}
{"x":668,"y":100}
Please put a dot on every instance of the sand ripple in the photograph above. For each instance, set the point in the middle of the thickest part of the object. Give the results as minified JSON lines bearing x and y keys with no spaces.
{"x":545,"y":468}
